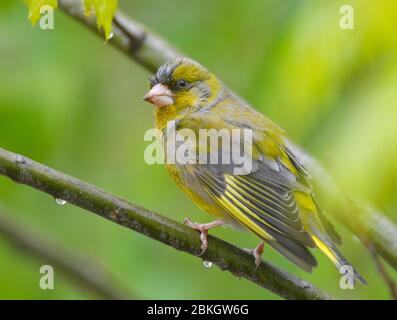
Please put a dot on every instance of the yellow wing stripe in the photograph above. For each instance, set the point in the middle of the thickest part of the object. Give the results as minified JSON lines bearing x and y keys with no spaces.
{"x":236,"y":186}
{"x":269,"y":193}
{"x":224,"y":201}
{"x":235,"y":211}
{"x":260,"y":214}
{"x":305,"y":201}
{"x":237,"y":198}
{"x":236,"y":201}
{"x":324,"y":248}
{"x":241,"y":217}
{"x":231,"y":181}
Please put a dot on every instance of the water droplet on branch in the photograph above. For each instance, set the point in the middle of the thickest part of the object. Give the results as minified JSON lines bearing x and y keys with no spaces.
{"x":61,"y":202}
{"x":207,"y":264}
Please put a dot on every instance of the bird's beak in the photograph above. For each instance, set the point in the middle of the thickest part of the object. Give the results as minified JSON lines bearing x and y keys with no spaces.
{"x":160,"y":96}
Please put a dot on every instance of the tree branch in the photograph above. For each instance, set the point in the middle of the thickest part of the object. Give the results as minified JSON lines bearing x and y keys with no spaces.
{"x":129,"y":36}
{"x":391,"y":286}
{"x":370,"y":225}
{"x":163,"y":229}
{"x":86,"y":274}
{"x":150,"y":51}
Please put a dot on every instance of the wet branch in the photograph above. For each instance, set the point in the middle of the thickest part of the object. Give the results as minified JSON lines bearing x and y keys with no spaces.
{"x":224,"y":255}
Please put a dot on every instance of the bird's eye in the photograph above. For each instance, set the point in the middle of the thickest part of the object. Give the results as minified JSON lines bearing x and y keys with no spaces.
{"x":182,"y":83}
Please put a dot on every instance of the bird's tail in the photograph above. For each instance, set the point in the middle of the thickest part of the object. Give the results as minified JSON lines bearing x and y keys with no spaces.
{"x":332,"y":252}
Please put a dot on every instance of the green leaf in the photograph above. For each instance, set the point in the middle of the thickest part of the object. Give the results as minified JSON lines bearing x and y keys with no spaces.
{"x":35,"y":6}
{"x":104,"y":11}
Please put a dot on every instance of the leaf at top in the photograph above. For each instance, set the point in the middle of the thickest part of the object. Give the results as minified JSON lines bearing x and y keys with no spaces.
{"x":34,"y":7}
{"x":104,"y":11}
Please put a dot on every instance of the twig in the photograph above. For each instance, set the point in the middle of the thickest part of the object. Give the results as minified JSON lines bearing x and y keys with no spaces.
{"x":367,"y":223}
{"x":383,"y":272}
{"x":381,"y":268}
{"x":86,"y":274}
{"x":163,"y":229}
{"x":150,"y":51}
{"x":129,"y":36}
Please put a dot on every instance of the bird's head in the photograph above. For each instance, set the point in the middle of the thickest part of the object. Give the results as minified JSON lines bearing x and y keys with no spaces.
{"x":182,"y":83}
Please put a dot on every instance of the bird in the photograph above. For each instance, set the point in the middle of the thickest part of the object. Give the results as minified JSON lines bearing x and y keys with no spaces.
{"x":275,"y":200}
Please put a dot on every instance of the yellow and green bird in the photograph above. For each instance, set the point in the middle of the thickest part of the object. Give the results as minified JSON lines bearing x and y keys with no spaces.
{"x":275,"y":200}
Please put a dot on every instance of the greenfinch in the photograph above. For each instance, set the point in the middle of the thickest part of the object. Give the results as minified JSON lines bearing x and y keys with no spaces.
{"x":275,"y":200}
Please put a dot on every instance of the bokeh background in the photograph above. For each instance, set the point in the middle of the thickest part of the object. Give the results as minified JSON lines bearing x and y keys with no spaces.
{"x":72,"y":102}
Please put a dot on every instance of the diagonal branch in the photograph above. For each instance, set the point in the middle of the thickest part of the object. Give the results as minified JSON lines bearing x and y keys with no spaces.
{"x":391,"y":286}
{"x":163,"y":229}
{"x":150,"y":50}
{"x":129,"y":36}
{"x":369,"y":224}
{"x":86,"y":274}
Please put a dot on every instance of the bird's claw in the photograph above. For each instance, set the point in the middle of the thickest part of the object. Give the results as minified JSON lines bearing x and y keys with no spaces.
{"x":257,"y":253}
{"x":203,"y":229}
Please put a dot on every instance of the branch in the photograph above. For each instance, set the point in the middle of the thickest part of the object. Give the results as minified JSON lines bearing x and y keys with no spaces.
{"x":370,"y":225}
{"x":129,"y":36}
{"x":150,"y":51}
{"x":391,"y":286}
{"x":163,"y":229}
{"x":86,"y":274}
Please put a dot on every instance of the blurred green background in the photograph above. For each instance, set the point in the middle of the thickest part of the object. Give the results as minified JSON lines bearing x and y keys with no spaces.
{"x":70,"y":101}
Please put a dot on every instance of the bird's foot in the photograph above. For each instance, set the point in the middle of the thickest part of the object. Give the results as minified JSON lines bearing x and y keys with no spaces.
{"x":257,"y":253}
{"x":203,"y":229}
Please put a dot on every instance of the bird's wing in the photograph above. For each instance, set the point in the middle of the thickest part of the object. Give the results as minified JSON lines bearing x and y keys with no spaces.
{"x":263,"y":201}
